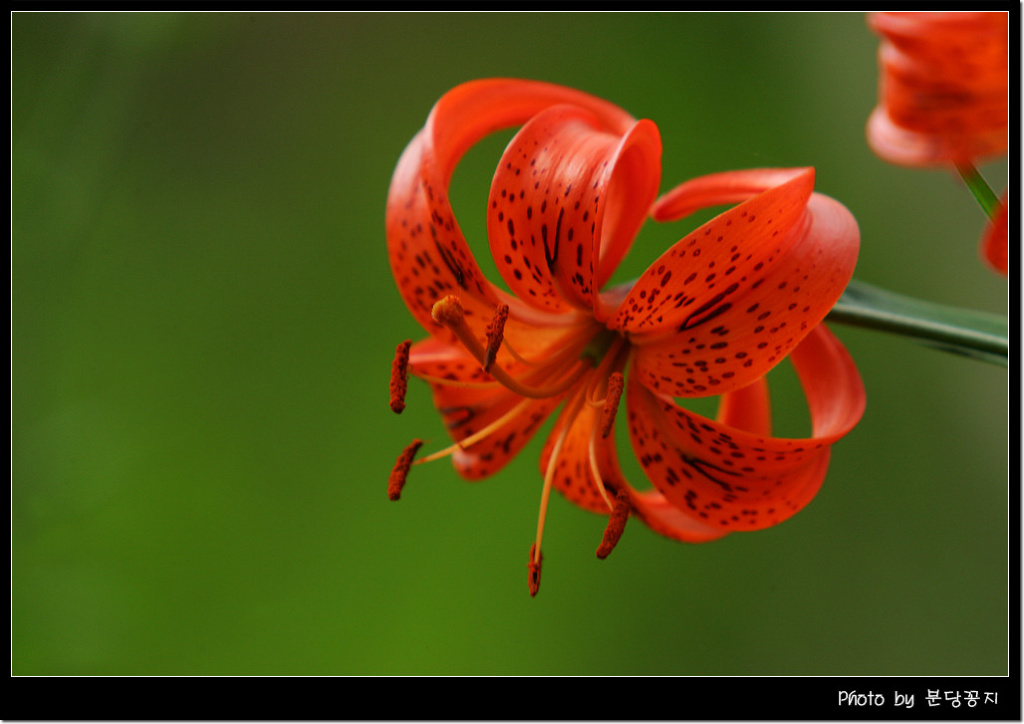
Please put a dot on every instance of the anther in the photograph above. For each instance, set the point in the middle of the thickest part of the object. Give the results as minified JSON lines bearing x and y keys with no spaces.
{"x":448,"y":311}
{"x":616,"y":524}
{"x":533,"y":578}
{"x":398,"y":473}
{"x":400,"y":376}
{"x":611,"y":403}
{"x":495,"y":333}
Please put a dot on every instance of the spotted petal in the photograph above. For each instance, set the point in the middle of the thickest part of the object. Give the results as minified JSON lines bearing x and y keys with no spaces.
{"x":566,"y":203}
{"x":734,"y":479}
{"x":745,"y":409}
{"x":730,"y":300}
{"x":428,"y":253}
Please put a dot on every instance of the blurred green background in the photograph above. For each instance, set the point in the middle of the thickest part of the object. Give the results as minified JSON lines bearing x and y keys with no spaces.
{"x":202,"y":330}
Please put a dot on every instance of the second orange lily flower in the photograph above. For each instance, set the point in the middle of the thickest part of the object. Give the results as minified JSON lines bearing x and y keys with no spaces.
{"x":944,"y":97}
{"x":944,"y":87}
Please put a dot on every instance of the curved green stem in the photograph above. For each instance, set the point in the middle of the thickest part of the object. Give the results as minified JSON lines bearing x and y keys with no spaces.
{"x":974,"y":334}
{"x":979,"y":187}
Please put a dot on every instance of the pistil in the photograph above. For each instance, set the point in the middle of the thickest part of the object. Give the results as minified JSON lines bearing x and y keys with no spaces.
{"x":448,"y":311}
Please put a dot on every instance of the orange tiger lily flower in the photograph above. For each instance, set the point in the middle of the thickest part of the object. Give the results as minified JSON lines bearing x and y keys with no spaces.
{"x":711,"y":316}
{"x":944,"y":89}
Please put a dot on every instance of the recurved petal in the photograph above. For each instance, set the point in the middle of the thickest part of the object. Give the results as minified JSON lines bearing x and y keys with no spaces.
{"x":730,"y":300}
{"x":735,"y":479}
{"x":747,"y":408}
{"x":469,"y":402}
{"x":658,"y":514}
{"x":995,"y":244}
{"x":566,"y":202}
{"x":575,"y":480}
{"x":729,"y":187}
{"x":470,"y":111}
{"x":429,"y":255}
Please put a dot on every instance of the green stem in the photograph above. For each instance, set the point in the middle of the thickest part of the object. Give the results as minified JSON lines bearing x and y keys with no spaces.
{"x":979,"y":187}
{"x":974,"y":334}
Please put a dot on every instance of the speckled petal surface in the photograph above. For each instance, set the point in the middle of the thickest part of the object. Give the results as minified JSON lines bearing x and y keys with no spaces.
{"x":566,"y":202}
{"x":730,"y":300}
{"x":736,"y":479}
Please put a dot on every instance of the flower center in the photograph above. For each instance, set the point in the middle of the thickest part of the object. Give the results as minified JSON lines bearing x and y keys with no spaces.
{"x":587,"y":370}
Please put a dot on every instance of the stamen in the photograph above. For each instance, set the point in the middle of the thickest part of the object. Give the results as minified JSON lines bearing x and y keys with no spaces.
{"x":400,"y":376}
{"x":616,"y":524}
{"x":533,"y":568}
{"x":397,"y":479}
{"x":611,"y":403}
{"x":495,"y":333}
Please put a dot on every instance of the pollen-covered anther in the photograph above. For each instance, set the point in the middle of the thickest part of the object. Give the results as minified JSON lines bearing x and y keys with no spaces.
{"x":533,"y":575}
{"x":616,"y":524}
{"x":398,"y":473}
{"x":400,"y":376}
{"x":495,"y":334}
{"x":448,"y":311}
{"x":611,"y":403}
